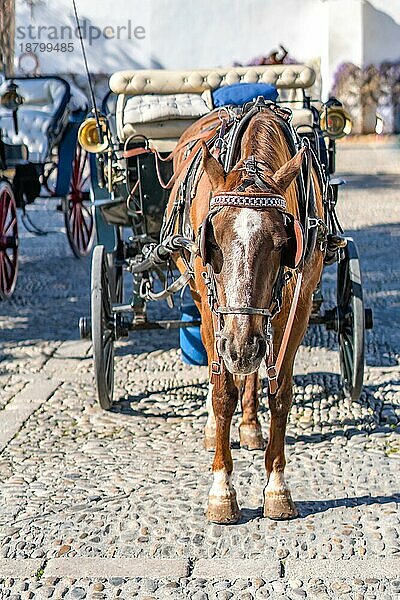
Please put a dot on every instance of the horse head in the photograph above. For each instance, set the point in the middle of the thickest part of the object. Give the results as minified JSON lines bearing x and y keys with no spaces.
{"x":246,"y":249}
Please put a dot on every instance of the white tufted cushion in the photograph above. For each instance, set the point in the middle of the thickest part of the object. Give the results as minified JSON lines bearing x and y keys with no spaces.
{"x":302,"y":116}
{"x":42,"y":99}
{"x":150,"y":108}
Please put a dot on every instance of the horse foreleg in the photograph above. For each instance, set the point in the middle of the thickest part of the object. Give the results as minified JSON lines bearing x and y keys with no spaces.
{"x":222,"y":503}
{"x":278,"y":502}
{"x":250,"y":433}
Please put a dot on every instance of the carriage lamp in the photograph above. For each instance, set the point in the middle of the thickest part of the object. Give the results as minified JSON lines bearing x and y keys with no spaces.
{"x":10,"y":98}
{"x":88,"y":135}
{"x":335,"y":121}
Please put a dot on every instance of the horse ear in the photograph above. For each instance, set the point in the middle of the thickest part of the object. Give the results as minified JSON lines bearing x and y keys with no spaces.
{"x":286,"y":174}
{"x":213,"y":168}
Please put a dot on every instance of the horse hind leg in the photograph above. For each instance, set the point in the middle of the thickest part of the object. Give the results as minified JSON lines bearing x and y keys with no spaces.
{"x":250,"y":433}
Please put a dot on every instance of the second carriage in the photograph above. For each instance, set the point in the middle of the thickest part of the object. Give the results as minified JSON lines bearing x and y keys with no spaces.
{"x":40,"y":156}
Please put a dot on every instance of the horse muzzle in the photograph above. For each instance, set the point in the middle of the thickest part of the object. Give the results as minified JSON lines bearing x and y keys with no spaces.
{"x":242,"y":356}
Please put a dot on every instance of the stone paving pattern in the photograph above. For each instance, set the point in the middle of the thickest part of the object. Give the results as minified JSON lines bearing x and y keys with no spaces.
{"x":78,"y":484}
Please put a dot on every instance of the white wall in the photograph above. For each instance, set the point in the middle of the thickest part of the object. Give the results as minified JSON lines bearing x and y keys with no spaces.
{"x":197,"y":33}
{"x":105,"y":54}
{"x":181,"y":33}
{"x":381,"y":31}
{"x":390,"y":7}
{"x":206,"y":33}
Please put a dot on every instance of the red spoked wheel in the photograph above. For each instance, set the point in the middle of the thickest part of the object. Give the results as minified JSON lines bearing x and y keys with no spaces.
{"x":8,"y":240}
{"x":78,"y":216}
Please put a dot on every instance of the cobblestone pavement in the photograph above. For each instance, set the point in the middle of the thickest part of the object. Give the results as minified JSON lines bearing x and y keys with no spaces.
{"x":111,"y":505}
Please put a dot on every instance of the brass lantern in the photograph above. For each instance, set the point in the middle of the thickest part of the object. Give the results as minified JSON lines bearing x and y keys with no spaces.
{"x":88,"y":135}
{"x":10,"y":98}
{"x":335,"y":122}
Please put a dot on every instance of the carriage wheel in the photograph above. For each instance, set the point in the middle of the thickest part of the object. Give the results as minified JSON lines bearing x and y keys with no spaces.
{"x":102,"y":328}
{"x":78,"y":217}
{"x":8,"y":240}
{"x":351,"y":320}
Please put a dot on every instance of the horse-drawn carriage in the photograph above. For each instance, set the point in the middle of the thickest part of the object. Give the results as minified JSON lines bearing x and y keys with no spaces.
{"x":137,"y":143}
{"x":39,"y":155}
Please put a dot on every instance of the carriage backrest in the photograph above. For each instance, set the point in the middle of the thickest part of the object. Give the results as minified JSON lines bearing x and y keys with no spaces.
{"x":184,"y":86}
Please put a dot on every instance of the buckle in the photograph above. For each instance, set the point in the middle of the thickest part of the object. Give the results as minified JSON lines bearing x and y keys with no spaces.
{"x":272,"y":380}
{"x":215,"y":367}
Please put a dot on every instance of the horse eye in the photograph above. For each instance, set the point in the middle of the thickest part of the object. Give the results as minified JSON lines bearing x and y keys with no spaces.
{"x":215,"y":253}
{"x":213,"y":244}
{"x":279,"y":245}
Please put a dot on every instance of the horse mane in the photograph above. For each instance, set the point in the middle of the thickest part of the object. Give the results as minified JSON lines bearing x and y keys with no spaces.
{"x":265,"y":139}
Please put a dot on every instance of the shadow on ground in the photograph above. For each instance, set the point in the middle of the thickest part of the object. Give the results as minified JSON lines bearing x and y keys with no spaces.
{"x":136,"y":406}
{"x":313,"y":507}
{"x":371,"y":181}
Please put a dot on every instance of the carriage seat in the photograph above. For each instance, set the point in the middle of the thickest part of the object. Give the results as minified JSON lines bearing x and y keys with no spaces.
{"x":40,"y":118}
{"x":162,"y":104}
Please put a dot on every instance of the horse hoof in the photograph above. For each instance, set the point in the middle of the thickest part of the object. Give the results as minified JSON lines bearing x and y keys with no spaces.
{"x":279,"y":506}
{"x":209,"y":442}
{"x":225,"y":511}
{"x":251,"y":438}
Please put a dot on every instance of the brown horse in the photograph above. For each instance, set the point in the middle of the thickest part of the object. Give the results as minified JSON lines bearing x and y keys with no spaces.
{"x":245,"y":249}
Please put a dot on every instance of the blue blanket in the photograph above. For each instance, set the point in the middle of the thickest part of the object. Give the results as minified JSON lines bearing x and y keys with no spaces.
{"x":240,"y":93}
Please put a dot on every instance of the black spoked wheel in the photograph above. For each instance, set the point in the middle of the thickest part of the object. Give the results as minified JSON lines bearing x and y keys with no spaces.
{"x":102,"y":328}
{"x":116,"y":275}
{"x":351,"y":320}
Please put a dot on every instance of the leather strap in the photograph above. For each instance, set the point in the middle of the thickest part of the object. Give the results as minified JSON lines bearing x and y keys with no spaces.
{"x":194,"y":138}
{"x":136,"y":152}
{"x":177,"y":175}
{"x":274,"y":368}
{"x":289,"y":322}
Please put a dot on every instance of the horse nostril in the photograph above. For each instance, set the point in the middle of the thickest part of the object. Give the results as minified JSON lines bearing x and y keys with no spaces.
{"x":261,"y":346}
{"x":222,"y":344}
